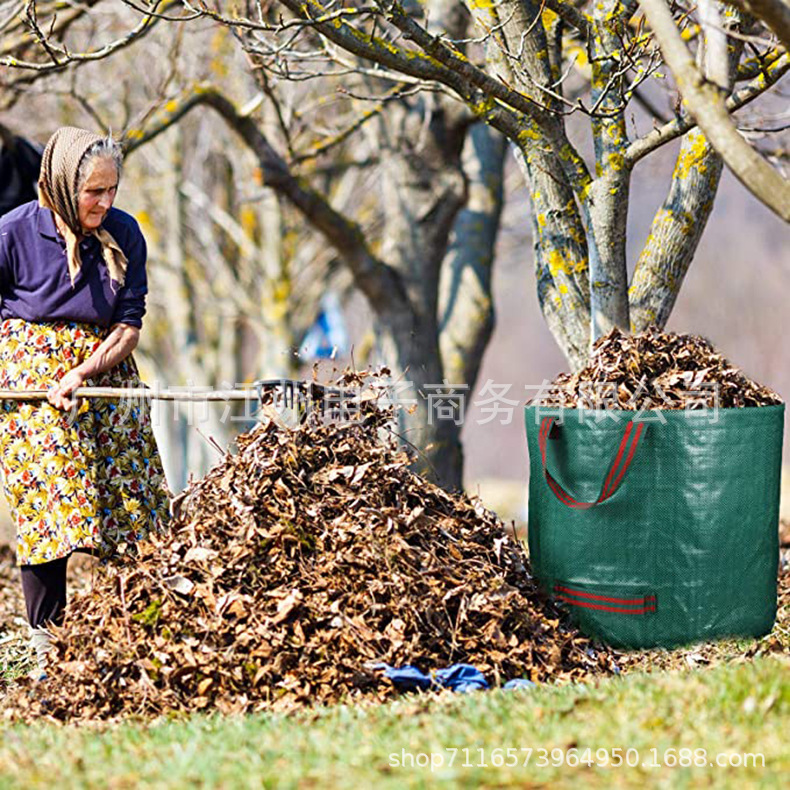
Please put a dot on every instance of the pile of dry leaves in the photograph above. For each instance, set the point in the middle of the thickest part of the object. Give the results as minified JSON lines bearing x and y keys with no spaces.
{"x":656,"y":370}
{"x":295,"y":564}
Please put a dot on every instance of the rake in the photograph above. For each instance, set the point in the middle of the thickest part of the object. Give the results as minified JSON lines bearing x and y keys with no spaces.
{"x":303,"y":394}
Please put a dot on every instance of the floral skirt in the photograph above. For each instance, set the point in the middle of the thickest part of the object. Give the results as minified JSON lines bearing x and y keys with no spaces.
{"x":90,"y":479}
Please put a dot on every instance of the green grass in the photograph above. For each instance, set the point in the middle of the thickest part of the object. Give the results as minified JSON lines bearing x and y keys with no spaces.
{"x":737,"y":707}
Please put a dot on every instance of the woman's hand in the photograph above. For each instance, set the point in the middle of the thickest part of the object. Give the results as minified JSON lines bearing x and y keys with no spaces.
{"x":58,"y":395}
{"x":119,"y":343}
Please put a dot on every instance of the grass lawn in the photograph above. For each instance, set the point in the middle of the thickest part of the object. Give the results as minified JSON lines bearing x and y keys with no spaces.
{"x":735,"y":708}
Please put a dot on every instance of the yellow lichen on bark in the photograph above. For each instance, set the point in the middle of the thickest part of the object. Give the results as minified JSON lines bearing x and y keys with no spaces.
{"x":692,"y":157}
{"x":562,"y":262}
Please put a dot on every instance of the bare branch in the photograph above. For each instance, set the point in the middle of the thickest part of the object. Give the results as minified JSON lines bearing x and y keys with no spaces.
{"x":466,"y":305}
{"x":708,"y":106}
{"x":533,"y":69}
{"x":571,"y":16}
{"x":140,"y":30}
{"x":61,"y":20}
{"x":757,"y":65}
{"x":298,"y":24}
{"x":775,"y":14}
{"x":716,"y":60}
{"x":488,"y":98}
{"x":319,"y":150}
{"x":675,"y":233}
{"x":463,"y":73}
{"x":148,"y":12}
{"x":381,"y":285}
{"x":608,"y":204}
{"x":679,"y":126}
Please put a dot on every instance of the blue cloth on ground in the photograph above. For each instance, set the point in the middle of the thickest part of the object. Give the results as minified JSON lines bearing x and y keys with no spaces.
{"x":519,"y":683}
{"x":406,"y":678}
{"x":459,"y":677}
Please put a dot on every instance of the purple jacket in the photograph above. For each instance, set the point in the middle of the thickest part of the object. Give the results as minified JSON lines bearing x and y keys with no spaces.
{"x":34,"y":274}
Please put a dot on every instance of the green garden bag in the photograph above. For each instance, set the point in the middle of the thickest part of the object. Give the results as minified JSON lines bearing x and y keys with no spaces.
{"x":657,"y":528}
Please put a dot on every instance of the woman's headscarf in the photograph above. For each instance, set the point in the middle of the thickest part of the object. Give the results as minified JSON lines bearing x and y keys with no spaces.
{"x":57,"y":189}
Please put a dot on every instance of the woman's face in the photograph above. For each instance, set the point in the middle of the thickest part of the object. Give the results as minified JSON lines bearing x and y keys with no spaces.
{"x":97,"y":193}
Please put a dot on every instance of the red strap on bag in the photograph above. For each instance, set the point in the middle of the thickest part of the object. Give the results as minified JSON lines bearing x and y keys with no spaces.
{"x":625,"y":453}
{"x":588,"y":600}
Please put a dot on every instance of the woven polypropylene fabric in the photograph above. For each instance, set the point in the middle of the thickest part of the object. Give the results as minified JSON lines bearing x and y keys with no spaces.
{"x":687,"y":546}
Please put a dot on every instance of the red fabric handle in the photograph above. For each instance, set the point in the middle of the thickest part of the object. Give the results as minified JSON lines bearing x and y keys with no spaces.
{"x":625,"y":453}
{"x":587,"y":600}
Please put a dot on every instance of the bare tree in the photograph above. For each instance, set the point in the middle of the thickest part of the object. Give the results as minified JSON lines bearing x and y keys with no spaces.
{"x":579,"y":216}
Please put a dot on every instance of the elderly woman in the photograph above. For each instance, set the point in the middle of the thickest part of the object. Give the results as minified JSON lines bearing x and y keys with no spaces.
{"x":78,"y":476}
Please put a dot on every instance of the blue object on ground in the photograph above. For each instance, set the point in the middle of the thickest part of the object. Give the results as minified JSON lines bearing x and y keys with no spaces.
{"x":406,"y":678}
{"x":459,"y":677}
{"x":519,"y":683}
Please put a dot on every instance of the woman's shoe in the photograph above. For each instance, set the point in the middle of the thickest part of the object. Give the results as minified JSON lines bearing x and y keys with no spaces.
{"x":41,"y":642}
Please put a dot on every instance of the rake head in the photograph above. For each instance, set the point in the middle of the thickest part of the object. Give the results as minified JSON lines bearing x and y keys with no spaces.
{"x":305,"y":397}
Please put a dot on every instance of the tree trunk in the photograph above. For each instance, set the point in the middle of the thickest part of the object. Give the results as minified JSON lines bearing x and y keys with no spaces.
{"x":466,"y":306}
{"x":423,"y":189}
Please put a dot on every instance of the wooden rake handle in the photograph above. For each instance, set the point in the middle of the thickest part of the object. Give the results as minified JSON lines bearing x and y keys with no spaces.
{"x":110,"y":393}
{"x":290,"y":389}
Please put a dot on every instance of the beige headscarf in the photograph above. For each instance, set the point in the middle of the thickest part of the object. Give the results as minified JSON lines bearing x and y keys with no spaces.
{"x":57,"y":190}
